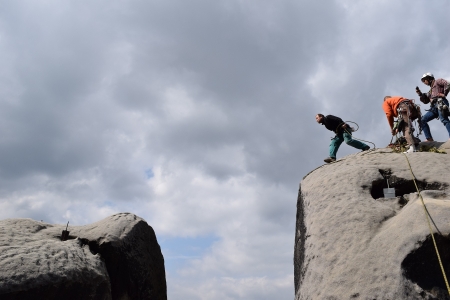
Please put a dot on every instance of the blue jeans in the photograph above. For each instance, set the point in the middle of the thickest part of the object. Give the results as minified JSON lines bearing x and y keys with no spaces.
{"x":339,"y":138}
{"x":431,"y":114}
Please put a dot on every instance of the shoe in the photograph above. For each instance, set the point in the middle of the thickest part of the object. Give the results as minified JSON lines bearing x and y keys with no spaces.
{"x":365,"y":148}
{"x":411,"y":149}
{"x":329,"y":160}
{"x":430,"y":140}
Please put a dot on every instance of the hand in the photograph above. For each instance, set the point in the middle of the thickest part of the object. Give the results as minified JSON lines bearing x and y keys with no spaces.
{"x":418,"y":91}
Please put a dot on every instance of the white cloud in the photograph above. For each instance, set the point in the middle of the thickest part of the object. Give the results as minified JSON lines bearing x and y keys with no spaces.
{"x":237,"y":288}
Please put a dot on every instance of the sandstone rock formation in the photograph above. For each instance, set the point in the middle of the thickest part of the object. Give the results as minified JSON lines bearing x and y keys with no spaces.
{"x":116,"y":258}
{"x":352,"y":243}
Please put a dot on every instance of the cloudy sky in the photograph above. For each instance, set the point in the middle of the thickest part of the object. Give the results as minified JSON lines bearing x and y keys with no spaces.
{"x":199,"y":117}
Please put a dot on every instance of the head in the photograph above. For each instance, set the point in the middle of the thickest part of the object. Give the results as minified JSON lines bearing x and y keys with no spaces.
{"x":387,"y":97}
{"x":320,"y":118}
{"x":427,"y":78}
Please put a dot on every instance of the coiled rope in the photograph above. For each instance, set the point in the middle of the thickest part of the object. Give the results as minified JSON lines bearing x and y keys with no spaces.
{"x":354,"y":130}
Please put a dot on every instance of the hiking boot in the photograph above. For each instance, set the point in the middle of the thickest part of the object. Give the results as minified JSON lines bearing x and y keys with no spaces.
{"x":329,"y":160}
{"x":365,"y":148}
{"x":411,"y":149}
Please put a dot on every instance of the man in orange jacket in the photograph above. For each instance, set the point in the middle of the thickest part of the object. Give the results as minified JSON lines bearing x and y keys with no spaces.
{"x":406,"y":112}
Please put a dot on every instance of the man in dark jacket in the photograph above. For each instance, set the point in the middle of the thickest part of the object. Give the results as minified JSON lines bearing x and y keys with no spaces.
{"x":343,"y":133}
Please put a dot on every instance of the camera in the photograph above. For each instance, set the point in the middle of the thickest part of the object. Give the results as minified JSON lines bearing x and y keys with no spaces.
{"x":418,"y":91}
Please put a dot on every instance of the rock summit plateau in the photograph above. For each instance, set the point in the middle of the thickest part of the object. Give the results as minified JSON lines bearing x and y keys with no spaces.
{"x":352,"y":242}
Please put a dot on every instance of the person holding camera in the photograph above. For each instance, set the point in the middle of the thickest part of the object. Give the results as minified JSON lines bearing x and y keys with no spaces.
{"x":436,"y":96}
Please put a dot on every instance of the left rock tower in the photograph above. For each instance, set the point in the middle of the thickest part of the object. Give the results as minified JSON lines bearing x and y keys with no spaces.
{"x":116,"y":258}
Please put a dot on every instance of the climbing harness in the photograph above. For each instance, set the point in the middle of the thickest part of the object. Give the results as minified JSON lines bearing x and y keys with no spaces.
{"x":413,"y":113}
{"x":428,"y":217}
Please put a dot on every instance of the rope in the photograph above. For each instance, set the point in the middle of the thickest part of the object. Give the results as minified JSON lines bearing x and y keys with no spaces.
{"x":354,"y":130}
{"x":361,"y":139}
{"x":357,"y":126}
{"x":429,"y":226}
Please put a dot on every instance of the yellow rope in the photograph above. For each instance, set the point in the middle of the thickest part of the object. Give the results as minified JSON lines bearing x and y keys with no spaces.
{"x":429,"y":226}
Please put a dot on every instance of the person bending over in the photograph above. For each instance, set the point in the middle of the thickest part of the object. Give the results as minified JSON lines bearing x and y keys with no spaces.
{"x":406,"y":111}
{"x":343,"y":133}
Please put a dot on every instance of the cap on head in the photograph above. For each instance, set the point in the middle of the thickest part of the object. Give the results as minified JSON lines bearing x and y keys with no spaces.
{"x":427,"y":76}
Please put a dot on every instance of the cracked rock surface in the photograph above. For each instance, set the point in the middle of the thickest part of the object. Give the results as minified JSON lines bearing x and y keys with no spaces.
{"x":351,"y":244}
{"x":115,"y":258}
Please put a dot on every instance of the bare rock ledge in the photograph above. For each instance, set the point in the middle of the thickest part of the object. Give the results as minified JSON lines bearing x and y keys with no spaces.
{"x":115,"y":258}
{"x":352,"y":243}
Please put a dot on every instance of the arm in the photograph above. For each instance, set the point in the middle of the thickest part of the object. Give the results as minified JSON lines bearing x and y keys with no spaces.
{"x":390,"y":119}
{"x":428,"y":96}
{"x":447,"y":89}
{"x":389,"y":115}
{"x":423,"y":97}
{"x":444,"y":85}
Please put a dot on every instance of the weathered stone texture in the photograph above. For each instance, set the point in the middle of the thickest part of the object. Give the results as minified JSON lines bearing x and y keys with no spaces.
{"x":352,"y":243}
{"x":116,"y":258}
